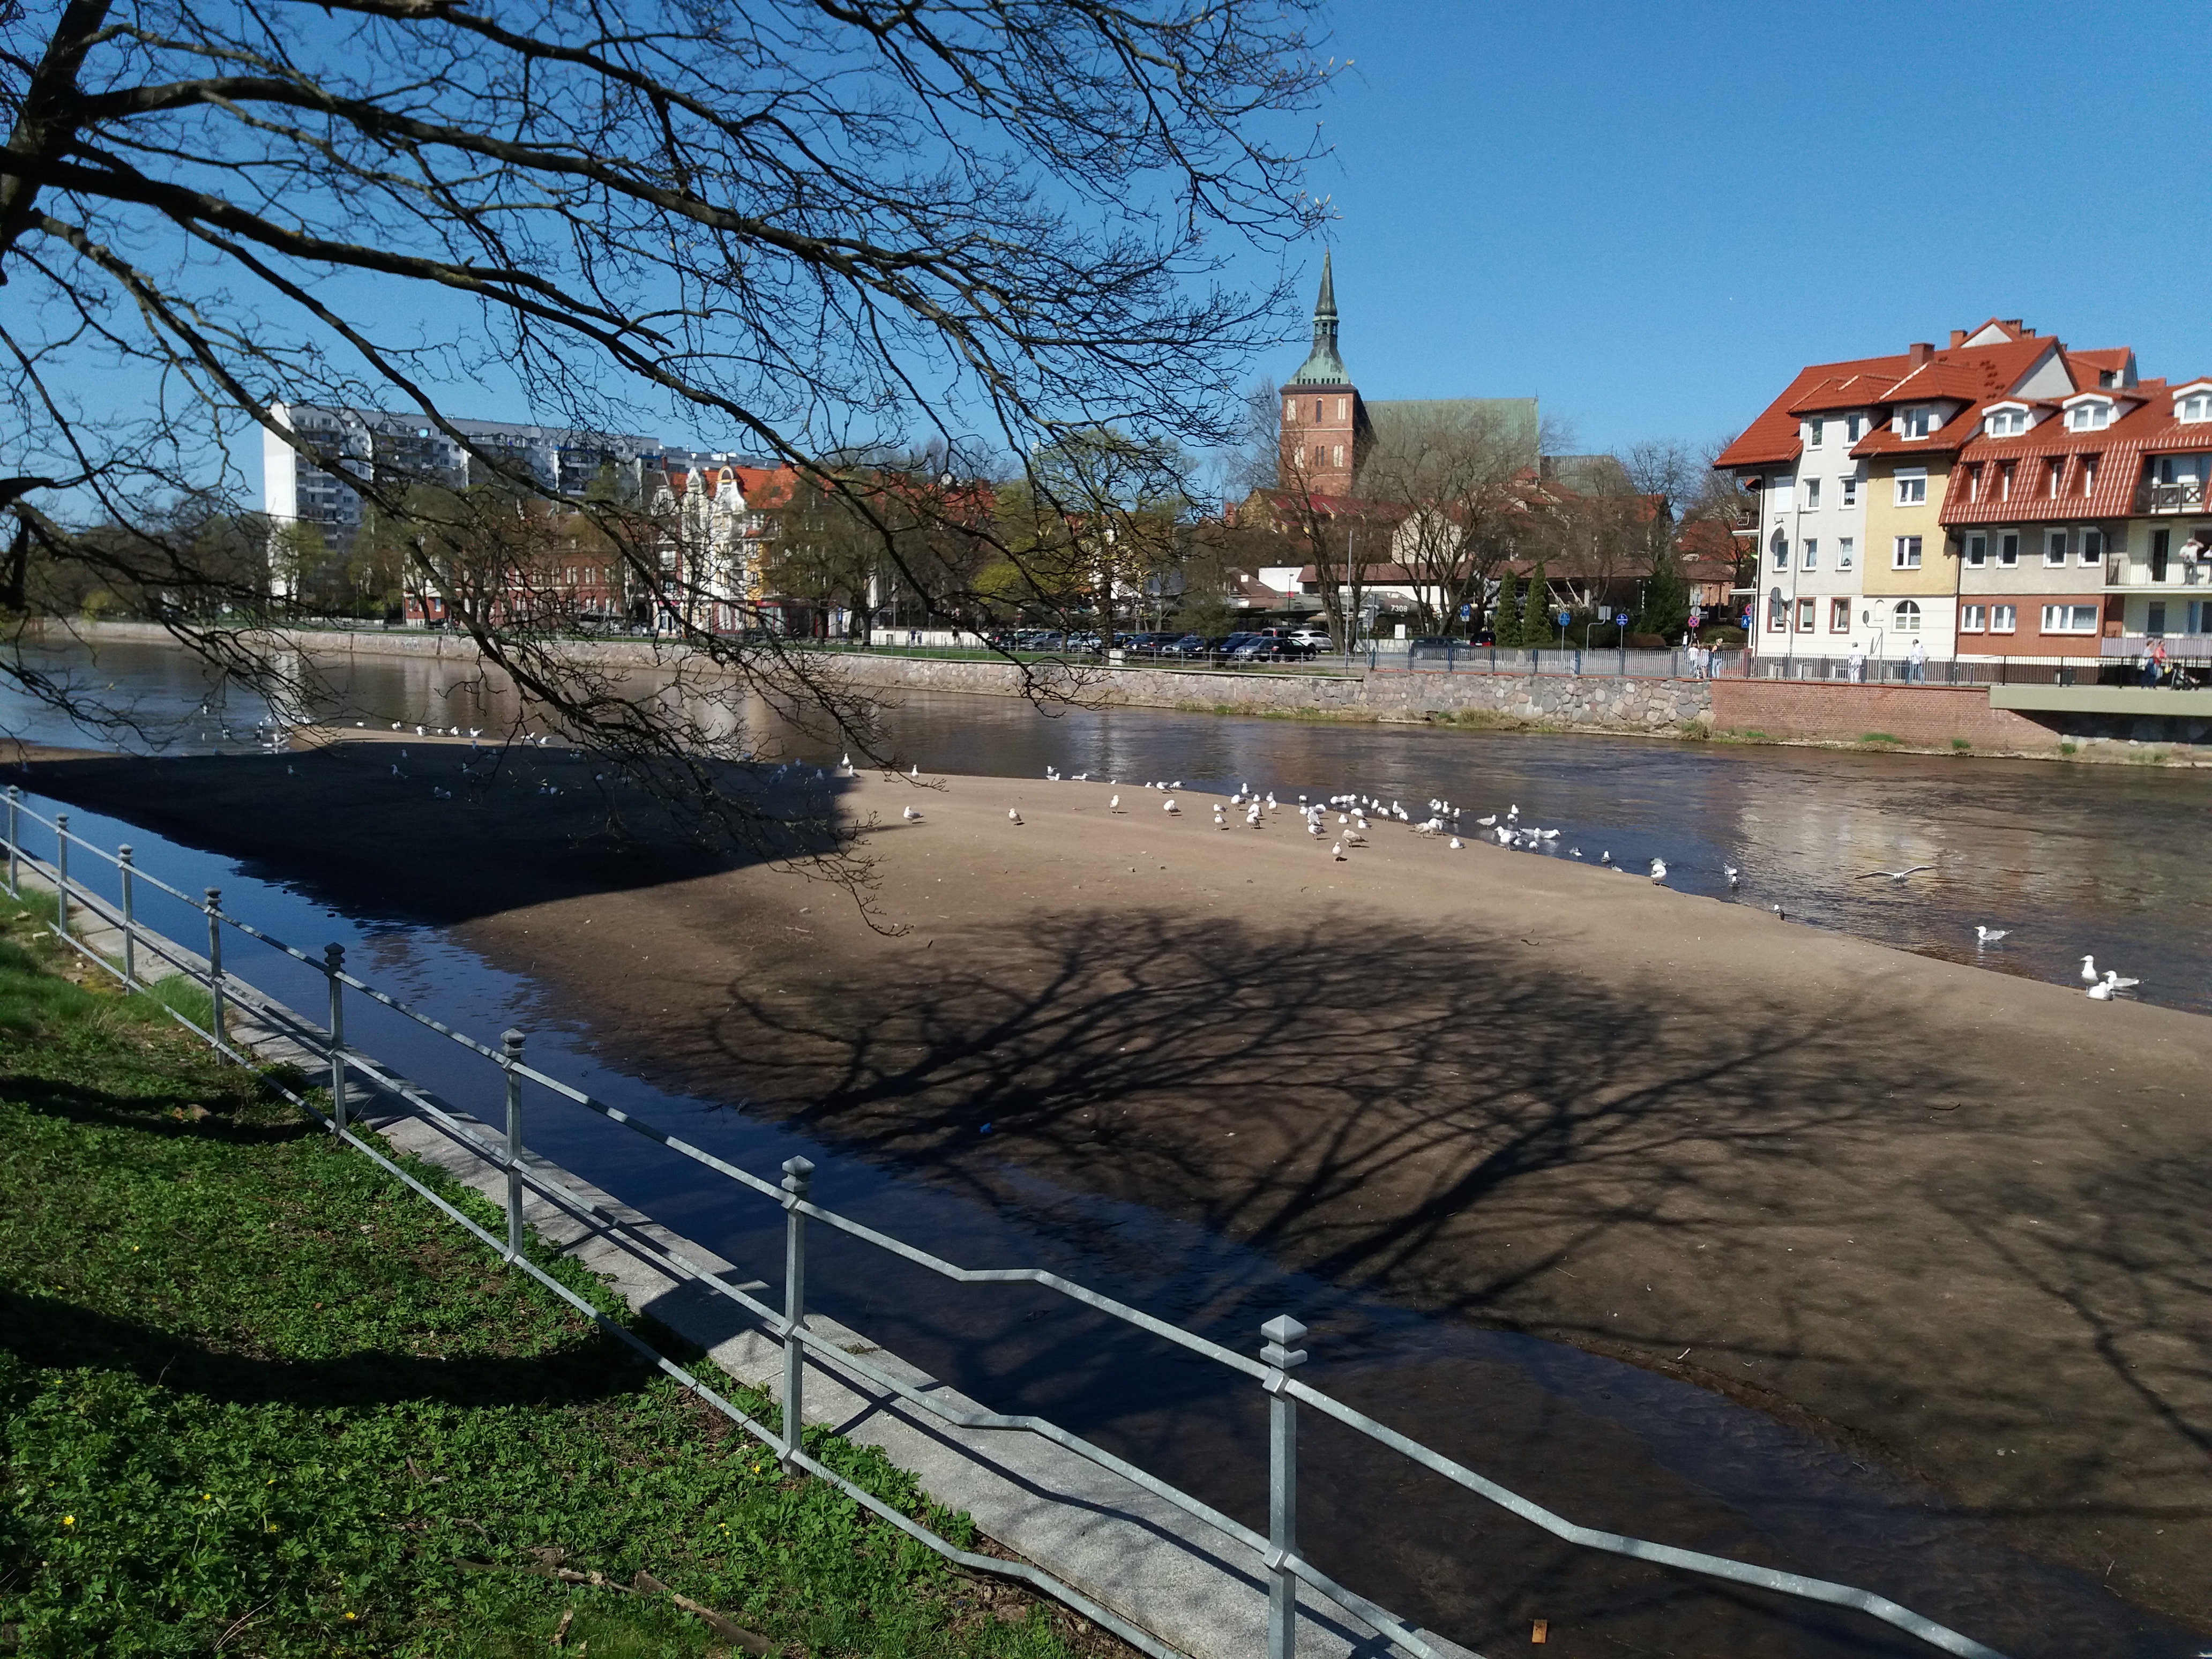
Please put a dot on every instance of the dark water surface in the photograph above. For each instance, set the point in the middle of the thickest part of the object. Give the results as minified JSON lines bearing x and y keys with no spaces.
{"x":2101,"y":852}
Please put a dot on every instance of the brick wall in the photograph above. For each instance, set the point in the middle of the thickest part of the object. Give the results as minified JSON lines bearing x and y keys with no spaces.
{"x":1919,"y":716}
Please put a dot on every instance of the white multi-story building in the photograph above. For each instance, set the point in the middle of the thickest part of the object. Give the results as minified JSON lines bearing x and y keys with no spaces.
{"x":295,"y":491}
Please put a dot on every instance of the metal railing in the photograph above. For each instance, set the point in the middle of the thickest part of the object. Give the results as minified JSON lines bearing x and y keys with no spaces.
{"x":1903,"y":671}
{"x":1276,"y":1548}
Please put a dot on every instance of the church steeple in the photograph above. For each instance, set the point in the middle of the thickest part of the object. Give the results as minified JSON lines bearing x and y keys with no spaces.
{"x":1323,"y":367}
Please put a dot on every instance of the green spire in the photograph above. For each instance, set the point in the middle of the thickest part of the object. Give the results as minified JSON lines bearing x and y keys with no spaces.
{"x":1324,"y":367}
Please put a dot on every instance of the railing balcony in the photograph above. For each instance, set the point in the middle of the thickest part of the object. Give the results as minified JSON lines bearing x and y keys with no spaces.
{"x":1746,"y":519}
{"x":2122,"y":571}
{"x":2185,"y":496}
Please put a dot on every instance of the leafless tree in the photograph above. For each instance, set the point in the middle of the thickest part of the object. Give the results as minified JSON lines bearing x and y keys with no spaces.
{"x":1467,"y":493}
{"x":793,"y":227}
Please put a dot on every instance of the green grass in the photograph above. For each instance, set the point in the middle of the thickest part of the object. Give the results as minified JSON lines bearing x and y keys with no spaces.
{"x":1879,"y":737}
{"x":257,"y":1398}
{"x":1960,"y":745}
{"x":2068,"y":749}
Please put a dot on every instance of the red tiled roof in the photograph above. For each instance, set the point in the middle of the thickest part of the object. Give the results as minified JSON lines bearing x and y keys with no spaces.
{"x":1844,"y":391}
{"x":1773,"y":438}
{"x":2119,"y":451}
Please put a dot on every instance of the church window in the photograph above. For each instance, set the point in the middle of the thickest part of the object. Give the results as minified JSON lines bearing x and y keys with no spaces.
{"x":1340,"y":455}
{"x":1291,"y":410}
{"x":1343,"y":409}
{"x":1318,"y":412}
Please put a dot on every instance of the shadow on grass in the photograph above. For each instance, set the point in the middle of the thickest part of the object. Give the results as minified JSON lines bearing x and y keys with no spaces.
{"x":169,"y":1114}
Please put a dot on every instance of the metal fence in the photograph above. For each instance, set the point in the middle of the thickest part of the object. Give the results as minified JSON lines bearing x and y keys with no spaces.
{"x":1903,"y":671}
{"x":1272,"y":1370}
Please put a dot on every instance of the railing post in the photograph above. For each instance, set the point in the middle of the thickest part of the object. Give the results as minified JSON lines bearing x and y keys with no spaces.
{"x":130,"y":916}
{"x":510,"y":1044}
{"x":334,"y":964}
{"x":1279,"y":1356}
{"x":214,"y":958}
{"x":61,"y":869}
{"x":14,"y":810}
{"x":798,"y":1178}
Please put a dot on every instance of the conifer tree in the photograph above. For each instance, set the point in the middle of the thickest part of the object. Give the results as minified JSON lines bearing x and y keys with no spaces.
{"x":1536,"y":611}
{"x":1505,"y":612}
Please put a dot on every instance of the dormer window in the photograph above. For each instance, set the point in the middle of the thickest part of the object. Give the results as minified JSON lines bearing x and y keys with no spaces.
{"x":2006,"y":422}
{"x":1814,"y":430}
{"x":2089,"y":417}
{"x":1917,"y":422}
{"x":2194,"y":408}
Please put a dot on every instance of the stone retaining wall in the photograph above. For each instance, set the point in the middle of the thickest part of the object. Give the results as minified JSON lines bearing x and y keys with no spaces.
{"x":1946,"y":718}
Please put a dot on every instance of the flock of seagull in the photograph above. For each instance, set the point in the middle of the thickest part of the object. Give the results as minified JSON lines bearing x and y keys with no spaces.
{"x":1354,"y":811}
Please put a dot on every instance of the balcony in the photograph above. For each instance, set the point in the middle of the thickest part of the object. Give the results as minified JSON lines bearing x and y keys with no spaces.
{"x":2186,"y":496}
{"x":2124,"y":571}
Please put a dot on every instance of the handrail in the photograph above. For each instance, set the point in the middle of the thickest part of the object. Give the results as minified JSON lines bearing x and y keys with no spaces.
{"x":1276,"y":1548}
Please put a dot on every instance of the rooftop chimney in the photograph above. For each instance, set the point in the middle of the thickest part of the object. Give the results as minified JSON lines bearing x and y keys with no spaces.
{"x":2014,"y":326}
{"x":1920,"y":351}
{"x":1958,"y":338}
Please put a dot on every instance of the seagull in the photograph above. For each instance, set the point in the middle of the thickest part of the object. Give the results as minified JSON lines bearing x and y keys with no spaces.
{"x":1606,"y":857}
{"x":1732,"y":873}
{"x":1114,"y":803}
{"x":1337,"y":852}
{"x":1169,"y":805}
{"x":2089,"y":970}
{"x":1990,"y":935}
{"x":916,"y":773}
{"x":1504,"y":836}
{"x":2101,"y":991}
{"x":1456,"y":843}
{"x":1313,"y":827}
{"x":1895,"y":875}
{"x":1487,"y":822}
{"x":910,"y":815}
{"x":1574,"y":851}
{"x":1658,"y":869}
{"x":1778,"y":916}
{"x":2117,"y":983}
{"x":1013,"y":815}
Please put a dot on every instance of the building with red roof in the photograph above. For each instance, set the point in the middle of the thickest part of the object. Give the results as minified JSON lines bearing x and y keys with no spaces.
{"x":2002,"y":495}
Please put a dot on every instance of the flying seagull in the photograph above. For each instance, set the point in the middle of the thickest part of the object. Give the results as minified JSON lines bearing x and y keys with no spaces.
{"x":1895,"y":875}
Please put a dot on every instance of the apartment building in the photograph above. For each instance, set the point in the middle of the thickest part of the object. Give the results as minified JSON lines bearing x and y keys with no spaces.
{"x":296,"y":489}
{"x":1854,"y":469}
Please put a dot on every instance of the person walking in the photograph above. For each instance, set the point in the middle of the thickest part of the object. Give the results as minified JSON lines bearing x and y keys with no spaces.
{"x":1916,"y":664}
{"x":1855,"y":664}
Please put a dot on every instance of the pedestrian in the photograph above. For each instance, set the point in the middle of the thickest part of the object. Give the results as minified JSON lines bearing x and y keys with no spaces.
{"x":1916,"y":664}
{"x":1855,"y":665}
{"x":2155,"y":661}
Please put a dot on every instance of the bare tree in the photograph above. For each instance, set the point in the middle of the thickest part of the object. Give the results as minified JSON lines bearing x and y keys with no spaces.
{"x":1467,"y":495}
{"x":796,"y":227}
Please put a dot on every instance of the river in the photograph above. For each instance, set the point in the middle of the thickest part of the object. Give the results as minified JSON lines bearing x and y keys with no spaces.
{"x":2071,"y":858}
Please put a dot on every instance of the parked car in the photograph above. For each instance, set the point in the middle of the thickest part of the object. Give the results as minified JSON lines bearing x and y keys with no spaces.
{"x":1149,"y":644}
{"x":1186,"y":646}
{"x":1234,"y":643}
{"x":1269,"y":647}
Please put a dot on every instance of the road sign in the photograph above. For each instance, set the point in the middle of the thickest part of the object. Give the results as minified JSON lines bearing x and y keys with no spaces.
{"x":1566,"y":616}
{"x":1465,"y":612}
{"x":1622,"y":619}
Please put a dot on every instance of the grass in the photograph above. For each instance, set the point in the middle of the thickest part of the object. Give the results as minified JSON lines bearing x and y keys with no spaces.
{"x":1960,"y":745}
{"x":1879,"y":737}
{"x":2070,"y":749}
{"x":256,"y":1398}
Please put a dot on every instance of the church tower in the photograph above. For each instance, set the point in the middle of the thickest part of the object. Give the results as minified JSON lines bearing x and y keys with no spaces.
{"x":1325,"y":429}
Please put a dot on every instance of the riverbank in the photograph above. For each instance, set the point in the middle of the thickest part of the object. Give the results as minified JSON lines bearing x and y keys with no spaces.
{"x":1960,"y":721}
{"x":252,"y":1392}
{"x":1949,"y":1219}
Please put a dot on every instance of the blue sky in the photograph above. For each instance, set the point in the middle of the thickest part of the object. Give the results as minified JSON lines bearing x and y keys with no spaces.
{"x":1650,"y":216}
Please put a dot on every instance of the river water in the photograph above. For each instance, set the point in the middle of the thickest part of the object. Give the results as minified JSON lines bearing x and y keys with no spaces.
{"x":2074,"y":860}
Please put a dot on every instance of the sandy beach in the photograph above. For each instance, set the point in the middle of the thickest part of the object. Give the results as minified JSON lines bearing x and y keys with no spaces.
{"x":1951,"y":1219}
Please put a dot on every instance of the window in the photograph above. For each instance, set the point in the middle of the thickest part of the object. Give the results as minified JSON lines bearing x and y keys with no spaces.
{"x":2089,"y":417}
{"x":2002,"y":619}
{"x":2004,"y":482}
{"x":1316,"y":411}
{"x":1782,"y":492}
{"x":1973,"y":618}
{"x":1906,"y":617}
{"x":1805,"y":616}
{"x":1904,"y":553}
{"x":1812,"y":495}
{"x":1917,"y":422}
{"x":1845,"y":548}
{"x":2088,"y":475}
{"x":1291,"y":410}
{"x":2009,"y":547}
{"x":1813,"y":429}
{"x":2054,"y":549}
{"x":1777,"y":611}
{"x":2161,"y":551}
{"x":1852,"y":427}
{"x":2198,"y":408}
{"x":1781,"y":545}
{"x":1913,"y":487}
{"x":1340,"y":454}
{"x":2055,"y":472}
{"x":2155,"y":622}
{"x":2006,"y":422}
{"x":1977,"y":551}
{"x":1839,"y":616}
{"x":1343,"y":409}
{"x":1850,"y":487}
{"x":1811,"y":559}
{"x":2093,"y":547}
{"x":2069,"y":618}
